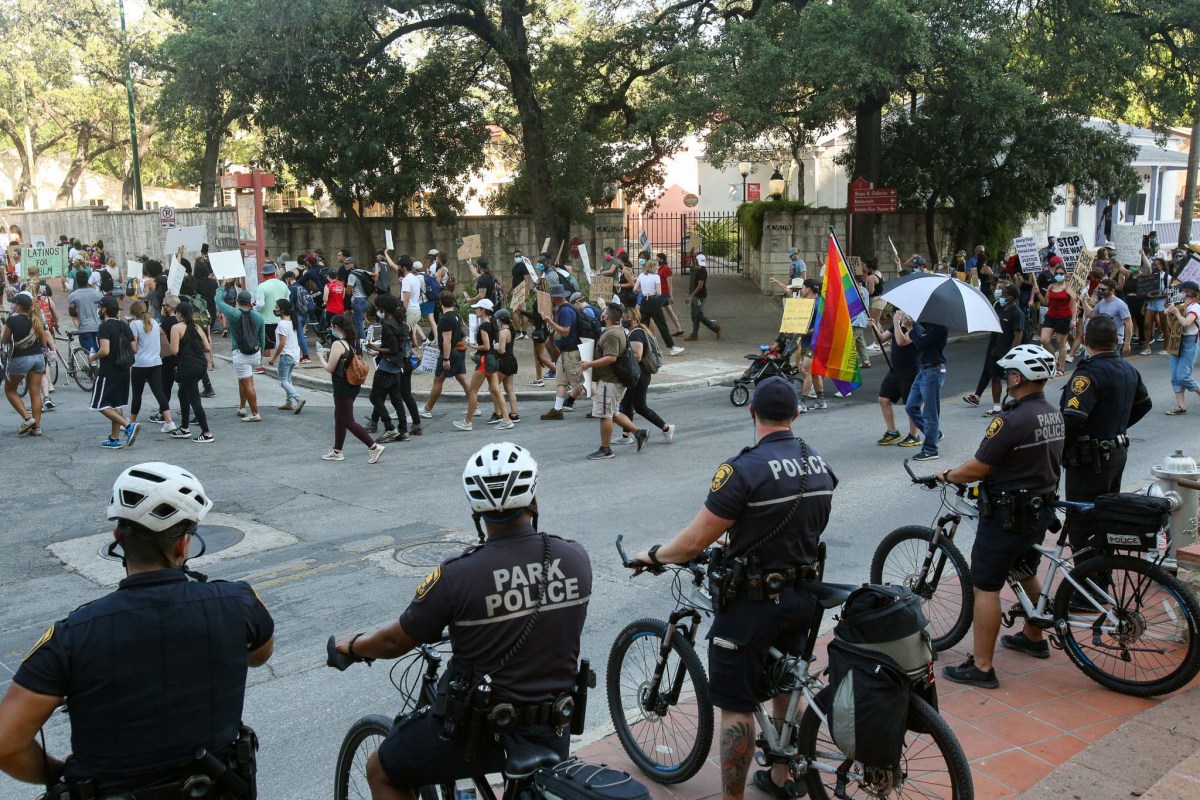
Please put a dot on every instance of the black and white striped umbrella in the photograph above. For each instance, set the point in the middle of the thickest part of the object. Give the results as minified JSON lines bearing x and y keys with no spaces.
{"x":945,"y":300}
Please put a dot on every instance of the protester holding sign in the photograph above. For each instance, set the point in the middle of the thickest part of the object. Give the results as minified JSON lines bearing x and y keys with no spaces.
{"x":1060,"y":313}
{"x":1187,"y":315}
{"x":1152,"y":286}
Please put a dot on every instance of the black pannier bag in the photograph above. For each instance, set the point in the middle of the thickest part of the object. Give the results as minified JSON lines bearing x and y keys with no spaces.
{"x":890,"y":620}
{"x":1127,"y":521}
{"x":577,"y":780}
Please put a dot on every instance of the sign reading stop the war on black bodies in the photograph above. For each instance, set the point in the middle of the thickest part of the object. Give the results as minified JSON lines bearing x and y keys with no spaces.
{"x":1069,"y":245}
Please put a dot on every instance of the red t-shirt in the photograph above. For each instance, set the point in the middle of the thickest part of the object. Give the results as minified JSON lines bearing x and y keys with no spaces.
{"x":336,"y":304}
{"x":664,"y":275}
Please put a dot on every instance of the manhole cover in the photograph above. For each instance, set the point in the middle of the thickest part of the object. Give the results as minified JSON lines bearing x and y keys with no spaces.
{"x":429,"y":554}
{"x":216,"y":538}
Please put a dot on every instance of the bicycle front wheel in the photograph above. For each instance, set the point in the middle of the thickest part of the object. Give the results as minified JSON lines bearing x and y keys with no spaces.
{"x":82,"y":373}
{"x":1153,"y":648}
{"x":932,"y":763}
{"x":666,"y":728}
{"x":52,"y":369}
{"x":945,"y":589}
{"x":363,"y":739}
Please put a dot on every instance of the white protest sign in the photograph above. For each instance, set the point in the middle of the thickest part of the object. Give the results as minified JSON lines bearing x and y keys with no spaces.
{"x":38,"y":240}
{"x":1027,"y":252}
{"x":133,"y":269}
{"x":227,"y":265}
{"x":175,"y":277}
{"x":1068,"y":246}
{"x":529,"y":266}
{"x":291,"y":266}
{"x":587,"y":262}
{"x":895,"y":252}
{"x":1128,"y":239}
{"x":1190,"y":271}
{"x":191,"y":238}
{"x":587,"y":349}
{"x":387,"y":237}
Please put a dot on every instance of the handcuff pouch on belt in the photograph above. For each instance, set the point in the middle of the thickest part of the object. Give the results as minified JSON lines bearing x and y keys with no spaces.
{"x":1091,"y":452}
{"x":1017,"y":511}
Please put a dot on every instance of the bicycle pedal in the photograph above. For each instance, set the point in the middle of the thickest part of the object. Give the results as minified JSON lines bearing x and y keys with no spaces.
{"x":1055,"y":641}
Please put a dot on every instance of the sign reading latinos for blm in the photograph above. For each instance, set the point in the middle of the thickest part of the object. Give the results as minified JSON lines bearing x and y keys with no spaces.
{"x":50,"y":261}
{"x":1027,"y":252}
{"x":1069,"y":246}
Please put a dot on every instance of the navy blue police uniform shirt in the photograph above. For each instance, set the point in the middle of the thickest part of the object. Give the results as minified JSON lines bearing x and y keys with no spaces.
{"x":485,"y":597}
{"x":1024,"y":447}
{"x":151,"y":672}
{"x":756,"y":489}
{"x":1103,"y":398}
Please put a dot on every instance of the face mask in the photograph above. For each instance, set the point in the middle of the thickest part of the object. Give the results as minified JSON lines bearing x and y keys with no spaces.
{"x":379,"y":314}
{"x":516,"y":259}
{"x":607,"y":258}
{"x":997,"y":294}
{"x":641,"y":262}
{"x":1059,"y":278}
{"x":1102,"y":294}
{"x":1002,"y":300}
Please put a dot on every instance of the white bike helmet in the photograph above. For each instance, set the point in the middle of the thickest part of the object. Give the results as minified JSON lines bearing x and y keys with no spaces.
{"x":500,"y":477}
{"x":1031,"y":360}
{"x":158,"y":496}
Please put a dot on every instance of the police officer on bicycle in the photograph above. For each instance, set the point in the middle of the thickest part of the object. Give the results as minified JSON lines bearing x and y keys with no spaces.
{"x":515,"y":607}
{"x":154,"y":673}
{"x":772,"y":501}
{"x":1103,"y":399}
{"x":1018,"y":465}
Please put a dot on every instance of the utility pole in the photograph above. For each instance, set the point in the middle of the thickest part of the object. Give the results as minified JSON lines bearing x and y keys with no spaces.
{"x":133,"y":143}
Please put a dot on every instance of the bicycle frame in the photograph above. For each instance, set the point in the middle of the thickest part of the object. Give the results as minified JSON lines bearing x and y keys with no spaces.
{"x":1037,"y":614}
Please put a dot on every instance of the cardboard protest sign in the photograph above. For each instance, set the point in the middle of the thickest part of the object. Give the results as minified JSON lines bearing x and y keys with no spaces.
{"x":587,"y":262}
{"x":855,"y":264}
{"x":51,"y":262}
{"x":227,"y":265}
{"x":797,"y":315}
{"x":175,"y":276}
{"x":544,"y":305}
{"x":1175,"y":295}
{"x":470,"y":247}
{"x":1077,"y":281}
{"x":545,"y":245}
{"x":1128,"y":239}
{"x":1068,"y":246}
{"x":191,"y":237}
{"x":600,"y":289}
{"x":1173,"y":340}
{"x":387,"y":238}
{"x":1027,"y":252}
{"x":518,"y":296}
{"x":587,"y":351}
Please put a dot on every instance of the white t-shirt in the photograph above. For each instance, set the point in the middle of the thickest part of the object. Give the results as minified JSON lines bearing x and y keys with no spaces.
{"x":412,"y":284}
{"x":149,"y":350}
{"x":649,"y":284}
{"x":291,"y":345}
{"x":1192,"y":308}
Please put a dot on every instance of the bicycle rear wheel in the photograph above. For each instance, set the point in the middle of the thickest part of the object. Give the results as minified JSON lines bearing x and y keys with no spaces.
{"x":932,"y":763}
{"x":82,"y":374}
{"x":667,"y":732}
{"x":363,"y":739}
{"x":945,"y":589}
{"x":1155,"y":647}
{"x":52,"y":369}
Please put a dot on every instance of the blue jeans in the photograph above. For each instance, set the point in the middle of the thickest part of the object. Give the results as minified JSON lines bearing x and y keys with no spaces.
{"x":924,"y":406}
{"x":301,"y":322}
{"x":286,"y":365}
{"x":88,"y":342}
{"x":358,"y":307}
{"x":1182,"y":364}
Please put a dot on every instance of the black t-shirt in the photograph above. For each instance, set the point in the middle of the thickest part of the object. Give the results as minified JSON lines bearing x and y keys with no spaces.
{"x":203,"y":268}
{"x":484,"y":597}
{"x":486,"y":282}
{"x":699,"y":274}
{"x":519,"y":274}
{"x":904,"y":357}
{"x":151,"y":672}
{"x":113,"y":329}
{"x":21,"y":325}
{"x":756,"y":489}
{"x":1011,"y":321}
{"x":1024,"y":447}
{"x":449,"y":322}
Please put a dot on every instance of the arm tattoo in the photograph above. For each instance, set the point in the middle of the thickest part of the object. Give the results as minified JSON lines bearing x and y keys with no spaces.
{"x":737,"y":746}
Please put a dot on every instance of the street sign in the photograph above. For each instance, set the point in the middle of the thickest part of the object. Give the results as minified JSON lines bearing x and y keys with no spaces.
{"x":866,"y":199}
{"x":166,"y":217}
{"x":753,"y":192}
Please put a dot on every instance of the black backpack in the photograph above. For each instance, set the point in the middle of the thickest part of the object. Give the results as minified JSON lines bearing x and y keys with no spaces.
{"x":588,"y":328}
{"x":367,"y":280}
{"x":626,"y":367}
{"x":106,"y":281}
{"x":247,"y":334}
{"x":122,"y":352}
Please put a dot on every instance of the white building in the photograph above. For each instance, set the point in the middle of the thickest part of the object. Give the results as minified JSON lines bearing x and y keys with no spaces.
{"x":93,"y":188}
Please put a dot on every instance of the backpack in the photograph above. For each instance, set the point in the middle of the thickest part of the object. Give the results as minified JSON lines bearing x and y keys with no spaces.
{"x":589,"y":327}
{"x":106,"y":281}
{"x":231,"y":293}
{"x":367,"y":280}
{"x":354,"y":367}
{"x":430,"y":291}
{"x":568,"y":281}
{"x":122,"y":353}
{"x":652,"y":357}
{"x":200,"y":310}
{"x":305,"y":304}
{"x":247,"y":334}
{"x":626,"y":367}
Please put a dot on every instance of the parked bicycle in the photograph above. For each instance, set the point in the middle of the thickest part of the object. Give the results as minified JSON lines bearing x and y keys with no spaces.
{"x":1122,"y":619}
{"x":76,"y":361}
{"x":658,"y":695}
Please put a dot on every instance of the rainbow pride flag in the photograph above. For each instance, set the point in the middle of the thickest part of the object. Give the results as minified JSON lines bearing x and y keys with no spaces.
{"x":834,"y":353}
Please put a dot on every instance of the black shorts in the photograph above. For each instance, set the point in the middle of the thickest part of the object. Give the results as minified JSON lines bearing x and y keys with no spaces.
{"x":895,"y":385}
{"x":1060,"y":325}
{"x":997,"y":551}
{"x":739,"y":640}
{"x":458,"y":364}
{"x":414,"y":753}
{"x":538,"y":334}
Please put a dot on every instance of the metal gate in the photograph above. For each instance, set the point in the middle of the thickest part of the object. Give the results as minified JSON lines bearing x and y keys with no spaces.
{"x":683,"y":235}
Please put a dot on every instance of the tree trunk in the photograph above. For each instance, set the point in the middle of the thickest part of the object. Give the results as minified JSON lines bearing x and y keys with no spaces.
{"x":931,"y":229}
{"x":24,"y":180}
{"x":798,"y":157}
{"x":128,"y":199}
{"x":1189,"y":192}
{"x":79,"y":160}
{"x":213,"y":137}
{"x":868,"y":148}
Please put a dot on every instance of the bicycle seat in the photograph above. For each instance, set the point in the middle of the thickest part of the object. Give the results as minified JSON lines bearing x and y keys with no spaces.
{"x":829,"y":595}
{"x":1074,"y":506}
{"x":523,"y":757}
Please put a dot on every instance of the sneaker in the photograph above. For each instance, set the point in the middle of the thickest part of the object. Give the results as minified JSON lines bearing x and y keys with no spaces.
{"x":505,"y":425}
{"x":819,"y":404}
{"x":550,"y":374}
{"x":305,"y":360}
{"x":971,"y":400}
{"x":131,"y":433}
{"x":333,"y":455}
{"x":404,"y":437}
{"x":569,"y":406}
{"x":181,"y":433}
{"x":874,"y":347}
{"x":112,"y":444}
{"x":208,"y":394}
{"x":995,"y":412}
{"x":603,"y":452}
{"x":389,"y":436}
{"x":27,"y":426}
{"x":674,"y":351}
{"x":371,"y":427}
{"x":260,"y":370}
{"x":801,"y":408}
{"x":521,"y":335}
{"x":425,"y":413}
{"x":1070,"y":360}
{"x":156,"y":417}
{"x":691,"y":338}
{"x":495,"y":418}
{"x":1021,"y":644}
{"x":415,"y":430}
{"x":840,"y":393}
{"x":463,"y":425}
{"x":889,"y":437}
{"x":241,"y":412}
{"x":537,"y":382}
{"x":300,"y":406}
{"x":204,"y":438}
{"x":971,"y":675}
{"x":168,"y":427}
{"x":514,"y":418}
{"x":669,"y":434}
{"x":640,"y":437}
{"x":623,"y":439}
{"x":910,"y":441}
{"x":37,"y":431}
{"x":941,"y":435}
{"x":676,"y":333}
{"x":553,"y":413}
{"x":252,"y":418}
{"x":374,"y":453}
{"x":50,"y":405}
{"x":926,"y":457}
{"x":1147,"y":352}
{"x":286,"y":407}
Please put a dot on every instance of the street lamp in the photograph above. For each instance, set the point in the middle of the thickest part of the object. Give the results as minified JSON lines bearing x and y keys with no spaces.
{"x":776,"y":185}
{"x":744,"y":168}
{"x":133,"y":143}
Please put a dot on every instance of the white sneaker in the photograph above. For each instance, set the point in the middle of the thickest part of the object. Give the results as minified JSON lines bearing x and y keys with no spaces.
{"x":333,"y":455}
{"x":168,"y":427}
{"x":674,"y":351}
{"x":504,"y":425}
{"x":375,"y":452}
{"x":425,"y":414}
{"x":874,"y":348}
{"x":463,"y":425}
{"x":623,"y":439}
{"x":669,"y":434}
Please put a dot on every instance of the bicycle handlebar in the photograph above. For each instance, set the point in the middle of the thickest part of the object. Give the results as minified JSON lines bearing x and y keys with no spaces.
{"x":932,"y":481}
{"x":338,"y":660}
{"x":633,"y":563}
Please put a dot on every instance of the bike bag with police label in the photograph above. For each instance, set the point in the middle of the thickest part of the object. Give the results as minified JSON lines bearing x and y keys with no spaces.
{"x":576,"y":780}
{"x":1127,"y":521}
{"x":889,"y":620}
{"x":868,"y":712}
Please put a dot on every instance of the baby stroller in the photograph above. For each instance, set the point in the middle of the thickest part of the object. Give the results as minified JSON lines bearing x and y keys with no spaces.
{"x":770,"y":360}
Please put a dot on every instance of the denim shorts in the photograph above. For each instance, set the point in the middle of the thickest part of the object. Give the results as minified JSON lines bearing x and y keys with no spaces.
{"x":23,"y":365}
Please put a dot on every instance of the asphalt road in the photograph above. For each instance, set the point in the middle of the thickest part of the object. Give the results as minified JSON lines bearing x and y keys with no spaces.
{"x":335,"y":547}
